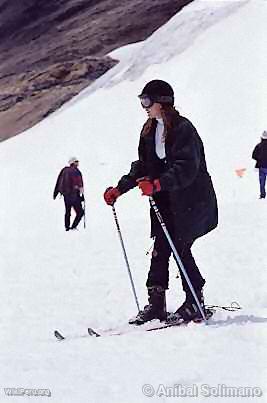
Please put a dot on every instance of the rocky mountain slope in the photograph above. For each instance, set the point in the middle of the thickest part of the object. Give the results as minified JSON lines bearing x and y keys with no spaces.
{"x":51,"y":50}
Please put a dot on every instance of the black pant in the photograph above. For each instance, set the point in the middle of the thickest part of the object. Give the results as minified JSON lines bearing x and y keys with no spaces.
{"x":73,"y":201}
{"x":159,"y":268}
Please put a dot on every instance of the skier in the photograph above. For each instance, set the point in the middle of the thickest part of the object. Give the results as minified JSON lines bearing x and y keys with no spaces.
{"x":260,"y":155}
{"x":70,"y":185}
{"x":171,"y":168}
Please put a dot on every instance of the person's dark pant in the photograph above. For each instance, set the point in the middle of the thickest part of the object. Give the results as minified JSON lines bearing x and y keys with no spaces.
{"x":73,"y":201}
{"x":159,"y":268}
{"x":262,"y":180}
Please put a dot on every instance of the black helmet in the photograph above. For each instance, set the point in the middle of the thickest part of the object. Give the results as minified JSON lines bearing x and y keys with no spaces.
{"x":158,"y":91}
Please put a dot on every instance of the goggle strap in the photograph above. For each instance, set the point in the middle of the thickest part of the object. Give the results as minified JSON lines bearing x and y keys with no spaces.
{"x":164,"y":99}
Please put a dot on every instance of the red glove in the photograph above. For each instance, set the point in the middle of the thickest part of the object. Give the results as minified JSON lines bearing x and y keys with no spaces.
{"x":110,"y":195}
{"x":148,"y":188}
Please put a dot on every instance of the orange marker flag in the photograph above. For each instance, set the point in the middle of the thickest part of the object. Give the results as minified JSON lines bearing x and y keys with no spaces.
{"x":240,"y":172}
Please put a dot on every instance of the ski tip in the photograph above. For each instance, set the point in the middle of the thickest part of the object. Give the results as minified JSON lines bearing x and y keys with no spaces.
{"x":58,"y":335}
{"x":92,"y":332}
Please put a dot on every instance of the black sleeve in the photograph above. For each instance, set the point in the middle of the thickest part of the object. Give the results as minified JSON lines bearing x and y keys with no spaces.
{"x":186,"y":155}
{"x":255,"y":154}
{"x":128,"y":181}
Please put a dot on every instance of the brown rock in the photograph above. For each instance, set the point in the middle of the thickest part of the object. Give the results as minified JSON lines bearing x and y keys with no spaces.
{"x":51,"y":50}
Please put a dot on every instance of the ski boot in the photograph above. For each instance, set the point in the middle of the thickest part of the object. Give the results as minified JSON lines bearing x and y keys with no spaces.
{"x":156,"y":308}
{"x":189,"y":310}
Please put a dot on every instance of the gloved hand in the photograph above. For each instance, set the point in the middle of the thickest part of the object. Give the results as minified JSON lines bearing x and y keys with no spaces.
{"x":110,"y":195}
{"x":148,"y":187}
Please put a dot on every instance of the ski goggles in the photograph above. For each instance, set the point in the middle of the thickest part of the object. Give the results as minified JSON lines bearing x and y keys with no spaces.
{"x":147,"y":101}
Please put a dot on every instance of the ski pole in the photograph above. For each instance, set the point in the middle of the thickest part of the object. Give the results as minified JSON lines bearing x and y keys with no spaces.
{"x":177,"y":257}
{"x":125,"y":257}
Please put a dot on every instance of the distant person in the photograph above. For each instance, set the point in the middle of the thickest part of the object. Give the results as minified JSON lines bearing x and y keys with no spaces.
{"x":70,"y":185}
{"x":172,"y":168}
{"x":260,"y":155}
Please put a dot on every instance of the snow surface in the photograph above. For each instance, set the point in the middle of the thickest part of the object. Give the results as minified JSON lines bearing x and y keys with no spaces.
{"x":214,"y":55}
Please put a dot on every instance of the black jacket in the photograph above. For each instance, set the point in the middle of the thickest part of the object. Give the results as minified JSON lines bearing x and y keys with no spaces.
{"x":184,"y":181}
{"x":260,"y":154}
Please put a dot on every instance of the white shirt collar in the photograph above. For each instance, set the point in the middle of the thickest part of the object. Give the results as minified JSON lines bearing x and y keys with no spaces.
{"x":160,"y":121}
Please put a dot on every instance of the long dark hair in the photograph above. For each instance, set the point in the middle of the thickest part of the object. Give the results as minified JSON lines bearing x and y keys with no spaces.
{"x":169,"y":115}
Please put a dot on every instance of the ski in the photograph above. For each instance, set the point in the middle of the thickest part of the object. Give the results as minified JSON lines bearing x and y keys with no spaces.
{"x":115,"y":332}
{"x":147,"y":327}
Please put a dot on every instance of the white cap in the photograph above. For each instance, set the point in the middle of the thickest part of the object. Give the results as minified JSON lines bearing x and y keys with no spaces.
{"x":72,"y":160}
{"x":264,"y":135}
